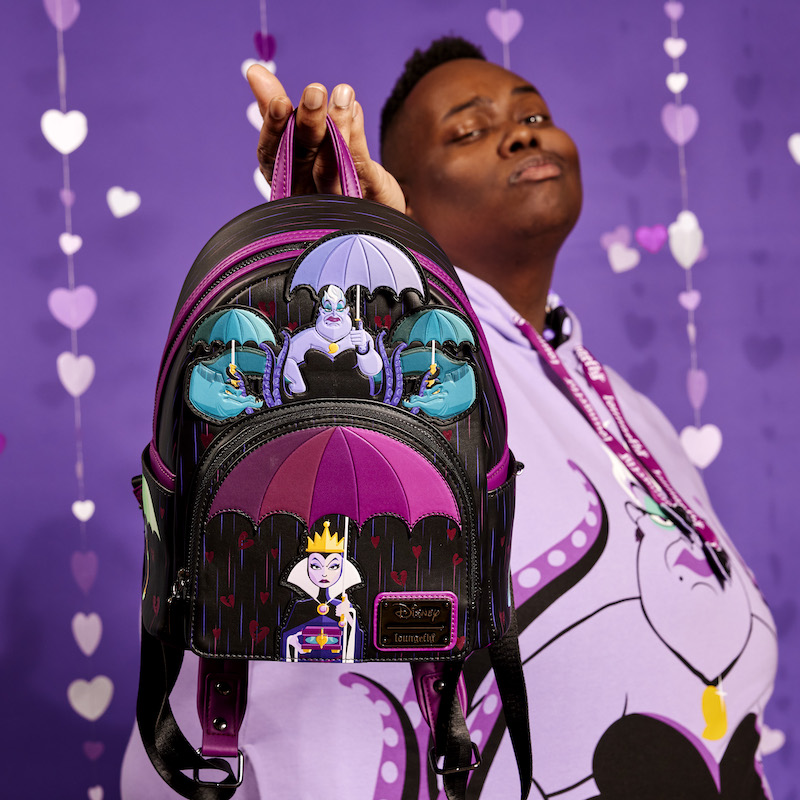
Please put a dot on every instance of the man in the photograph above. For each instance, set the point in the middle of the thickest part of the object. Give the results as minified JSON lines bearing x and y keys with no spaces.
{"x":649,"y":652}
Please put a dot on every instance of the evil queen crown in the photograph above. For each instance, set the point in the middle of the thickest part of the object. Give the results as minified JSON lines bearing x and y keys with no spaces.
{"x":326,"y":542}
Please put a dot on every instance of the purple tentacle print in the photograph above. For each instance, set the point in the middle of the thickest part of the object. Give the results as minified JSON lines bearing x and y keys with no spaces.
{"x":399,"y":775}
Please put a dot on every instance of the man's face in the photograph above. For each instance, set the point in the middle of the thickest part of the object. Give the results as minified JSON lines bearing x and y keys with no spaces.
{"x":483,"y":160}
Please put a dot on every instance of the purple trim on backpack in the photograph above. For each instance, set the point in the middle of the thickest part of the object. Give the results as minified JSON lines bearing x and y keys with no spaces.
{"x":164,"y":475}
{"x":426,"y":674}
{"x":496,"y":476}
{"x":221,"y":698}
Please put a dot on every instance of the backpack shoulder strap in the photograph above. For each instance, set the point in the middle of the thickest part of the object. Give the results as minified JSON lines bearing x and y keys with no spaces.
{"x":167,"y":747}
{"x":442,"y":697}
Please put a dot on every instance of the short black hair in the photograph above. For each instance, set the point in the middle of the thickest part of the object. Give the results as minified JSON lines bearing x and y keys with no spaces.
{"x":447,"y":48}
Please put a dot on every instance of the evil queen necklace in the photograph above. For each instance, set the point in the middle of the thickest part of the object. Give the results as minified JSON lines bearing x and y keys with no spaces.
{"x":643,"y":465}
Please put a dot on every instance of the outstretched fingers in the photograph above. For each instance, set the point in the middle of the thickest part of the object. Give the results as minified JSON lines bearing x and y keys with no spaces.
{"x":275,"y":108}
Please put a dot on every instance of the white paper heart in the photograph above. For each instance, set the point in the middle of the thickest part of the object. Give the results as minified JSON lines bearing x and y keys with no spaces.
{"x":685,"y":239}
{"x":623,"y":258}
{"x":76,"y":373}
{"x":270,"y":65}
{"x":87,"y":630}
{"x":90,"y":699}
{"x":794,"y":147}
{"x":254,"y":116}
{"x":676,"y":82}
{"x":674,"y":47}
{"x":72,"y":307}
{"x":83,"y":510}
{"x":772,"y":740}
{"x":95,"y":793}
{"x":122,"y":202}
{"x":261,"y":184}
{"x":70,"y":243}
{"x":64,"y":132}
{"x":690,"y":299}
{"x":702,"y":445}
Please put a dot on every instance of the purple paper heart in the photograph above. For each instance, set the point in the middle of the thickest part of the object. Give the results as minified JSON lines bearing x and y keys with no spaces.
{"x":84,"y":569}
{"x":505,"y":25}
{"x":651,"y":239}
{"x":696,"y":387}
{"x":621,"y":234}
{"x":93,"y":750}
{"x":73,"y":308}
{"x":673,"y":10}
{"x":62,"y":13}
{"x":690,"y":299}
{"x":680,"y":122}
{"x":265,"y":45}
{"x":67,"y":197}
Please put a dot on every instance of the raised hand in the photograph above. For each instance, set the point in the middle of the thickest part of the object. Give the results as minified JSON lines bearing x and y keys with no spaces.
{"x":314,"y":167}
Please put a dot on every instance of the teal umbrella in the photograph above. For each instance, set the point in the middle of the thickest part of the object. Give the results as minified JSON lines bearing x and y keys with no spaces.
{"x":234,"y":325}
{"x":434,"y":325}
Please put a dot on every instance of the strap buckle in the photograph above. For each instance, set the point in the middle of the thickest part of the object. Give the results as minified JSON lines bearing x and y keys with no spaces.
{"x":450,"y":770}
{"x":221,"y":764}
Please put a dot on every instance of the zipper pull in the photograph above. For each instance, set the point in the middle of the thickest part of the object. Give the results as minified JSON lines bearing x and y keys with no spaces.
{"x":180,"y":586}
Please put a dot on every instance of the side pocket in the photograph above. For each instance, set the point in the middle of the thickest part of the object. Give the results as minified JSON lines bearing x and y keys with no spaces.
{"x":496,"y":555}
{"x":158,"y":508}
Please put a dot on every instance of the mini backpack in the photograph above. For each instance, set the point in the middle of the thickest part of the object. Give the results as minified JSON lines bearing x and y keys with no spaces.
{"x":329,"y":478}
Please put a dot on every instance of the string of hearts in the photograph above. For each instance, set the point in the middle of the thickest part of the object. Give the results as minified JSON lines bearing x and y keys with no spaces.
{"x":684,"y":236}
{"x":505,"y":23}
{"x":265,"y":47}
{"x":73,"y":306}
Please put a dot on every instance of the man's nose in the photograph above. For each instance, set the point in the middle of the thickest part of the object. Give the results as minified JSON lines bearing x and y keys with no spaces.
{"x":518,"y":137}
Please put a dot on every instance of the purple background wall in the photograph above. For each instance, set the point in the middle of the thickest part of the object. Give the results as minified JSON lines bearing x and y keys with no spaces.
{"x":161,"y":86}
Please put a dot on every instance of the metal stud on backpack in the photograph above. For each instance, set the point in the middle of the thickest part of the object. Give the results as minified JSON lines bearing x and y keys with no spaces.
{"x":329,"y":478}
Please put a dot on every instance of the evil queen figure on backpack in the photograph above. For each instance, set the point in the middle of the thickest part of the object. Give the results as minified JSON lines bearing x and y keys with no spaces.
{"x":323,"y":624}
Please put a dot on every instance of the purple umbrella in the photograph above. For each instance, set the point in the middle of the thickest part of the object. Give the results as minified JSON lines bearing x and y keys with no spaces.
{"x":357,"y":259}
{"x":336,"y":470}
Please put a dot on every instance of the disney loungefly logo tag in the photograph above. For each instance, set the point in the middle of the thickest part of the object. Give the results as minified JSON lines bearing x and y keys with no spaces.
{"x":415,"y":620}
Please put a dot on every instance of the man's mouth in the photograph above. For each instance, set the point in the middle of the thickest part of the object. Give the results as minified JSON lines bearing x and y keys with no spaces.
{"x":538,"y":168}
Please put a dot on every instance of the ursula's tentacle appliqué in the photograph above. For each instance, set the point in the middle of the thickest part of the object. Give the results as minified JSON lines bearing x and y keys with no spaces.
{"x":278,"y":372}
{"x":387,"y":367}
{"x":266,"y":381}
{"x":398,"y":374}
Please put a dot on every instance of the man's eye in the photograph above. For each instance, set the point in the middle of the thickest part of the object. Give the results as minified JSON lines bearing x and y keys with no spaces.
{"x":535,"y":119}
{"x":466,"y":136}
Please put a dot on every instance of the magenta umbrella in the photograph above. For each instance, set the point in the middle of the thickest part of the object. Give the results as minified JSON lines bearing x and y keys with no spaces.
{"x":336,"y":470}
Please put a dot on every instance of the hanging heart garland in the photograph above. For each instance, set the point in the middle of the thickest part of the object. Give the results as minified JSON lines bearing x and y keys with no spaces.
{"x":505,"y":24}
{"x":266,"y":46}
{"x":73,"y":306}
{"x":681,"y":121}
{"x":684,"y":236}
